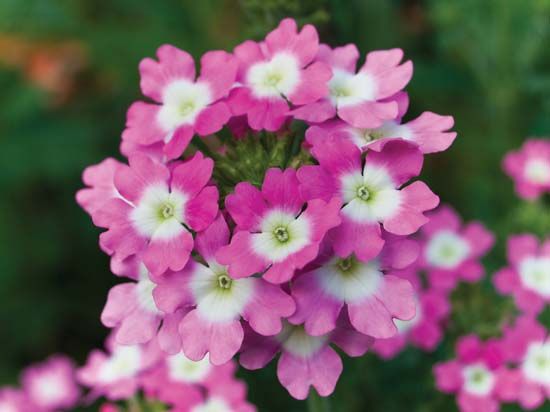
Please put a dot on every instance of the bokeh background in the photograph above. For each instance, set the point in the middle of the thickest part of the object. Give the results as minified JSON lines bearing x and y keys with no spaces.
{"x":68,"y":72}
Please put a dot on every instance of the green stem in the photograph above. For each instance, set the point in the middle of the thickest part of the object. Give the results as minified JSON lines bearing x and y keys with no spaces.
{"x":316,"y":403}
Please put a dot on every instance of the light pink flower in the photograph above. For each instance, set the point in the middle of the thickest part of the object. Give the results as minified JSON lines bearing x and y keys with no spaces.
{"x":278,"y":71}
{"x":527,"y":348}
{"x":51,"y":385}
{"x":429,"y":131}
{"x":425,"y":330}
{"x":218,"y":303}
{"x":305,"y":360}
{"x":529,"y":167}
{"x":359,"y":98}
{"x":373,"y":192}
{"x":183,"y":106}
{"x":13,"y":400}
{"x":527,"y":278}
{"x":273,"y":234}
{"x":116,"y":374}
{"x":371,"y":298}
{"x":451,"y":250}
{"x":473,"y":376}
{"x":157,"y":208}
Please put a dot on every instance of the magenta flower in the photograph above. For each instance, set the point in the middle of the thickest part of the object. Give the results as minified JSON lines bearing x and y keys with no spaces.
{"x":371,"y":298}
{"x":305,"y":360}
{"x":51,"y":385}
{"x":13,"y":400}
{"x":278,"y":71}
{"x":116,"y":374}
{"x":219,"y":303}
{"x":430,"y":131}
{"x":183,"y":106}
{"x":157,"y":208}
{"x":529,"y":167}
{"x":451,"y":250}
{"x":527,"y":278}
{"x":473,"y":376}
{"x":425,"y":330}
{"x":373,"y":192}
{"x":527,"y":348}
{"x":359,"y":98}
{"x":273,"y":233}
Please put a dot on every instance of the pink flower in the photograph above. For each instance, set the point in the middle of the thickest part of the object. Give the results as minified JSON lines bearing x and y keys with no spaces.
{"x":51,"y":385}
{"x":373,"y":192}
{"x":473,"y":376}
{"x":425,"y":330}
{"x":276,"y":72}
{"x":272,"y":232}
{"x":451,"y":250}
{"x":13,"y":400}
{"x":527,"y":278}
{"x":219,"y":303}
{"x":183,"y":106}
{"x":116,"y":374}
{"x":429,"y":131}
{"x":370,"y":297}
{"x":157,"y":208}
{"x":527,"y":348}
{"x":305,"y":360}
{"x":359,"y":98}
{"x":101,"y":186}
{"x":529,"y":167}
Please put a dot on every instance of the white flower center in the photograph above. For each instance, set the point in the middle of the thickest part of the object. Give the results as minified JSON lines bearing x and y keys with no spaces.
{"x":213,"y":405}
{"x":537,"y":171}
{"x":182,"y":369}
{"x":48,"y":389}
{"x":144,"y":291}
{"x":536,"y":365}
{"x":182,"y":102}
{"x":282,"y":234}
{"x":125,"y":362}
{"x":348,"y":89}
{"x":534,"y":273}
{"x":350,"y":280}
{"x":296,"y":341}
{"x":478,"y":380}
{"x":219,"y":297}
{"x":275,"y":78}
{"x":371,"y":196}
{"x":159,"y":212}
{"x":446,"y":250}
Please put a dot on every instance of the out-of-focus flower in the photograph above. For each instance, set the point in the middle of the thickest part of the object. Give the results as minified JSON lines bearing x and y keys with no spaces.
{"x":13,"y":400}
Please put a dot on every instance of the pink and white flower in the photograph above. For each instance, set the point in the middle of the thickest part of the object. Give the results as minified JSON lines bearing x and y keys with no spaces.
{"x":219,"y":303}
{"x":474,"y":375}
{"x":425,"y":330}
{"x":451,"y":250}
{"x":51,"y":385}
{"x":362,"y":98}
{"x":183,"y":106}
{"x":13,"y":400}
{"x":373,"y":192}
{"x":529,"y":167}
{"x":371,"y":298}
{"x":527,"y":278}
{"x":305,"y":360}
{"x":527,"y":347}
{"x":273,"y":234}
{"x":278,"y":71}
{"x":430,"y":131}
{"x":157,"y":209}
{"x":116,"y":374}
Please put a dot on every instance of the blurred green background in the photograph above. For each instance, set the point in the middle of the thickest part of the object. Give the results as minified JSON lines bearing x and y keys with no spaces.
{"x":68,"y":72}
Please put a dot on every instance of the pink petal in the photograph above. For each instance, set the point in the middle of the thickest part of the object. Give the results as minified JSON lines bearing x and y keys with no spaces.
{"x":314,"y":84}
{"x":199,"y":337}
{"x":121,"y":301}
{"x":316,"y":112}
{"x":337,"y":156}
{"x":142,"y":126}
{"x":268,"y":114}
{"x":247,"y":53}
{"x":172,"y":291}
{"x":240,"y":257}
{"x":201,"y":211}
{"x":401,"y":159}
{"x":173,"y":253}
{"x":344,"y":57}
{"x":246,"y":206}
{"x":219,"y":70}
{"x":257,"y":350}
{"x":521,"y":246}
{"x":280,"y":189}
{"x":368,"y":115}
{"x":364,"y":240}
{"x":212,"y":119}
{"x":139,"y":327}
{"x":430,"y":132}
{"x":479,"y":238}
{"x":529,"y":301}
{"x":316,"y":183}
{"x":474,"y":403}
{"x":213,"y":238}
{"x":399,"y":253}
{"x":448,"y":376}
{"x":444,"y":217}
{"x":178,"y":142}
{"x":471,"y":271}
{"x":353,"y":343}
{"x":398,"y":297}
{"x":191,"y":176}
{"x":371,"y":318}
{"x":285,"y":37}
{"x":169,"y":339}
{"x":390,"y":75}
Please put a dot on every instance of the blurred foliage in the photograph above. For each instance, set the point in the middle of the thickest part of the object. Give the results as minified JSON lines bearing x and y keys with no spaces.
{"x":68,"y":71}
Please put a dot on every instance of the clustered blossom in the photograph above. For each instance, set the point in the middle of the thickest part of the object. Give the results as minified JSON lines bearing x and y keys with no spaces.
{"x":296,"y":256}
{"x":529,"y":167}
